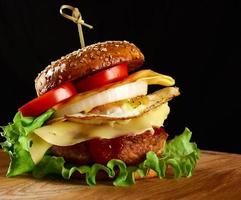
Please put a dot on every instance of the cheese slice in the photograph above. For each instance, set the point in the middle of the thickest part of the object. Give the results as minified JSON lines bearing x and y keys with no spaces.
{"x":70,"y":133}
{"x":38,"y":148}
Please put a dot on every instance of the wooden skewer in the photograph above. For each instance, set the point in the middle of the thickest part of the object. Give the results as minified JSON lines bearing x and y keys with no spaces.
{"x":76,"y":18}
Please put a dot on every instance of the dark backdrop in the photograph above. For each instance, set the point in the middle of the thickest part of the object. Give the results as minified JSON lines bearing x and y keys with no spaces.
{"x":196,"y":42}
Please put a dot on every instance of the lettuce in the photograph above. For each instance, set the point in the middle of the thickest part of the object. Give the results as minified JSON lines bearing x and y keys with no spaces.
{"x":179,"y":154}
{"x":17,"y":143}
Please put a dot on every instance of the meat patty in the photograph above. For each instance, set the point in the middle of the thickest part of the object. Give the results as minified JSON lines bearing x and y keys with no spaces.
{"x":130,"y":149}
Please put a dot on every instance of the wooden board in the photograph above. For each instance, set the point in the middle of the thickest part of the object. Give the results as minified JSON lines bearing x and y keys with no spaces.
{"x":218,"y":176}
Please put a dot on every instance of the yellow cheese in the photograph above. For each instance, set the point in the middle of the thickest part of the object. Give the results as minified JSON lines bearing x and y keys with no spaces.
{"x":70,"y":133}
{"x":38,"y":148}
{"x":152,"y":78}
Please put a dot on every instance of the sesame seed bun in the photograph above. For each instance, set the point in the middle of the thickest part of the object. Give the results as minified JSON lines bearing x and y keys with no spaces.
{"x":86,"y":61}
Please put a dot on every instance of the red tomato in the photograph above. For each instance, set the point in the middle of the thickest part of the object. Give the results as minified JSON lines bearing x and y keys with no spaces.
{"x":103,"y":77}
{"x":48,"y":100}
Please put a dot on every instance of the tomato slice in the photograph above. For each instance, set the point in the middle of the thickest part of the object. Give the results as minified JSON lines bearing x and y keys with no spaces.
{"x":103,"y":77}
{"x":48,"y":100}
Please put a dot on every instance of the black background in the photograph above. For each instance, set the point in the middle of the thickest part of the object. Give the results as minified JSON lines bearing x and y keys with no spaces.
{"x":196,"y":42}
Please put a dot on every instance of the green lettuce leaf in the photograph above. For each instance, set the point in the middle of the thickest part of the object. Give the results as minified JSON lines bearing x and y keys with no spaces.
{"x":180,"y":154}
{"x":17,"y":143}
{"x":21,"y":161}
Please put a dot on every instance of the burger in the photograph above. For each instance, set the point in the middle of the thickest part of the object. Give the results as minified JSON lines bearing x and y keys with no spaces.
{"x":93,"y":118}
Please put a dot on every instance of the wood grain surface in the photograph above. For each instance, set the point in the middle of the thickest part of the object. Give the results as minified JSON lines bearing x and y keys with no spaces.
{"x":218,"y":176}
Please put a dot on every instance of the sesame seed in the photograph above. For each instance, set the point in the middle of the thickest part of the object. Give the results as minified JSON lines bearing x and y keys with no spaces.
{"x":103,"y":49}
{"x":49,"y":73}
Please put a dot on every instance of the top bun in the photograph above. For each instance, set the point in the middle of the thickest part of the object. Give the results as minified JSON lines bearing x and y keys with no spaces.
{"x":86,"y":61}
